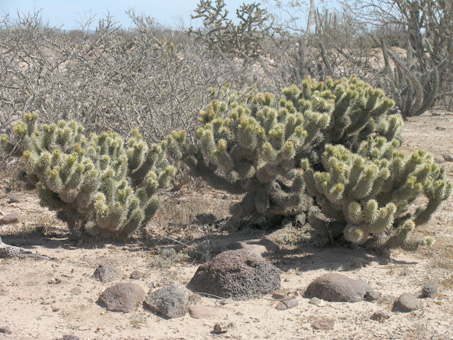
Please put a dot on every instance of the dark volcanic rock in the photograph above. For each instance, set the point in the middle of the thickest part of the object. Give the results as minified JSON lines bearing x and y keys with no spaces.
{"x":171,"y":302}
{"x":238,"y":274}
{"x":338,"y":288}
{"x":406,"y":303}
{"x":122,"y":297}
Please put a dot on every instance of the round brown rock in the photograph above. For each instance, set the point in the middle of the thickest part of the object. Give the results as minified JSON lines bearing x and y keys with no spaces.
{"x":407,"y":302}
{"x":337,"y":287}
{"x":122,"y":297}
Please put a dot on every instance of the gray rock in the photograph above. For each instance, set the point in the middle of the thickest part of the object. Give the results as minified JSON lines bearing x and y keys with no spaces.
{"x":203,"y":312}
{"x":258,"y":246}
{"x":429,"y":290}
{"x":122,"y":297}
{"x":106,"y":273}
{"x":407,"y":302}
{"x":447,"y":157}
{"x":338,"y":288}
{"x":10,"y":218}
{"x":287,"y":303}
{"x":238,"y":274}
{"x":380,"y":315}
{"x":171,"y":302}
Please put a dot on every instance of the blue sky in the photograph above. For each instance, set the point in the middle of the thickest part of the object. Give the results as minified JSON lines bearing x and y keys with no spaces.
{"x":69,"y":12}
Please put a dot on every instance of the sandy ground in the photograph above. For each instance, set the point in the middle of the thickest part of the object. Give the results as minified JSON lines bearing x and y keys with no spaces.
{"x":41,"y":299}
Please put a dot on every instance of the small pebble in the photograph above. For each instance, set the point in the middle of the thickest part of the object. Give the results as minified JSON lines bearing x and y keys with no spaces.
{"x":287,"y":303}
{"x":278,"y":296}
{"x":315,"y":301}
{"x":5,"y":330}
{"x":203,"y":312}
{"x":372,"y":295}
{"x":406,"y":303}
{"x":429,"y":290}
{"x":448,"y":157}
{"x":220,"y":327}
{"x":380,"y":315}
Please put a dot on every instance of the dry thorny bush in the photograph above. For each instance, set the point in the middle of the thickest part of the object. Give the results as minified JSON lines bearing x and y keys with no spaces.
{"x":148,"y":77}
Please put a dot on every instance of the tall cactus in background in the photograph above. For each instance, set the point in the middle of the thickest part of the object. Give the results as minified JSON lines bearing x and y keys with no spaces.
{"x":97,"y":185}
{"x":243,"y":37}
{"x":253,"y":144}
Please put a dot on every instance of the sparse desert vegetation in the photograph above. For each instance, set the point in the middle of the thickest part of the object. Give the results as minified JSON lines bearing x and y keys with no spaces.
{"x":157,"y":149}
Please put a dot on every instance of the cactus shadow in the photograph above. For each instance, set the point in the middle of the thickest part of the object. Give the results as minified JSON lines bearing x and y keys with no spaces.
{"x":35,"y":238}
{"x":307,"y":257}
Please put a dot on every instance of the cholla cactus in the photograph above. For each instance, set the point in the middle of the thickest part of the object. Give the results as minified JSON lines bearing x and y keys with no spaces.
{"x":370,"y":193}
{"x":244,"y":39}
{"x":253,"y":144}
{"x":88,"y":179}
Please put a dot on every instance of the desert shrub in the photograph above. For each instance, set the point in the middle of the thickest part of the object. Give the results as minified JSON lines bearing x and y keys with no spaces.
{"x":98,"y":184}
{"x":149,"y":77}
{"x":424,"y":75}
{"x":334,"y":43}
{"x":327,"y":149}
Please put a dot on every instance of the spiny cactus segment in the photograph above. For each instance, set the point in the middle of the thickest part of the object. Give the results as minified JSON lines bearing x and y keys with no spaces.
{"x":370,"y":193}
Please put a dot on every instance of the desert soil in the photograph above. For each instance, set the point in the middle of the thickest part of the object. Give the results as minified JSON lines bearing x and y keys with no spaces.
{"x":41,"y":299}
